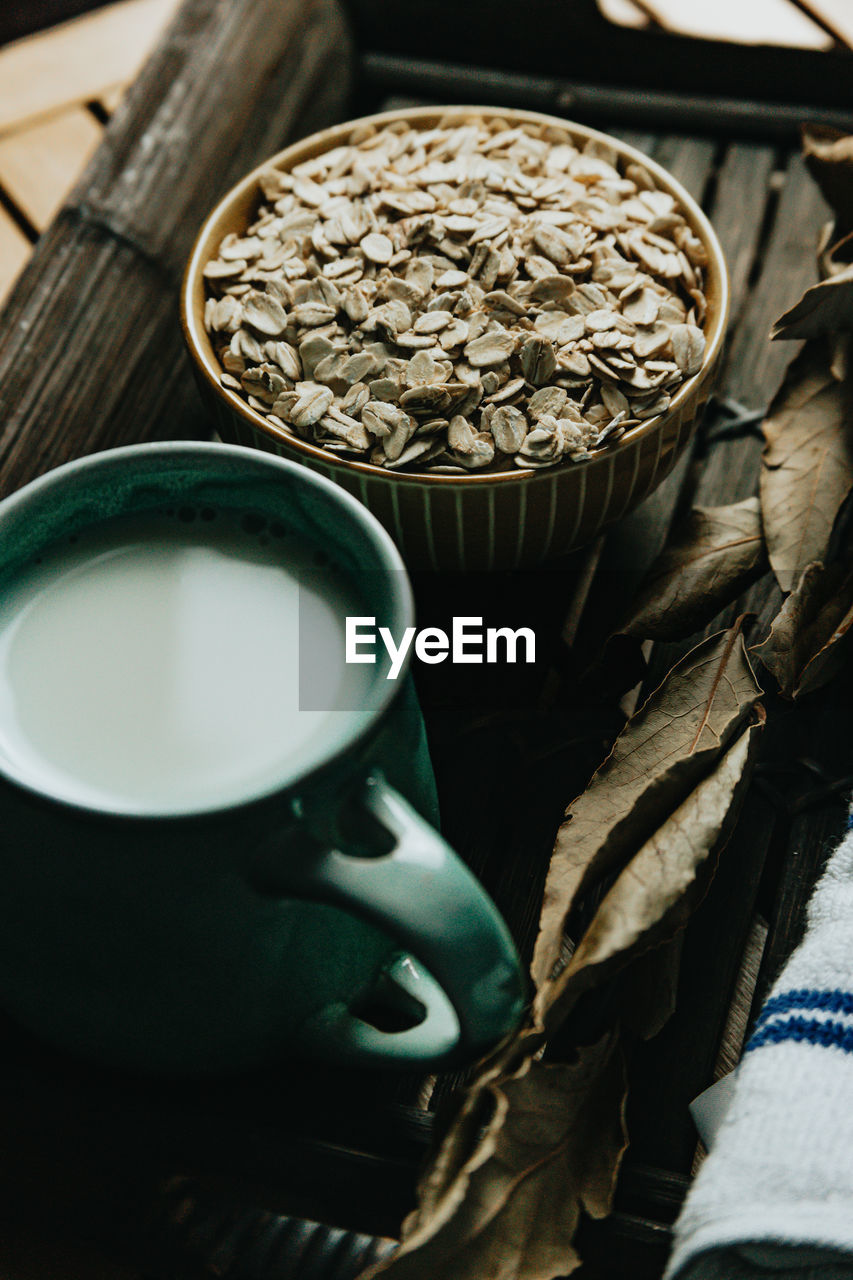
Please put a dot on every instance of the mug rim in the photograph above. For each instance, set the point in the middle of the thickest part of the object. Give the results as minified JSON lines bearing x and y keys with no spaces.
{"x":380,"y":695}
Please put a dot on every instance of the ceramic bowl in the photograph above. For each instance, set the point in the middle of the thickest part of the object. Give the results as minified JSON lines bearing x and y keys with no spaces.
{"x":474,"y":521}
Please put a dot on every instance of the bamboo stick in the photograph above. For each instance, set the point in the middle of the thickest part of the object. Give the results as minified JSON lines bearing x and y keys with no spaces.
{"x":90,"y":350}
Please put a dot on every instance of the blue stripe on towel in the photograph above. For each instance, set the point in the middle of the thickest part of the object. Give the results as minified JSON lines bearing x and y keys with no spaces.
{"x":837,"y":1035}
{"x":827,"y":1001}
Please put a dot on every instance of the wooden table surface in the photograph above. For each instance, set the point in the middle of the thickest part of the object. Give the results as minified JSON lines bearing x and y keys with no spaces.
{"x":211,"y":1167}
{"x":58,"y":90}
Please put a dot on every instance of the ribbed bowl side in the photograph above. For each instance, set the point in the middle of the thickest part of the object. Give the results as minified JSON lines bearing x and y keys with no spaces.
{"x":498,"y":526}
{"x":478,"y":522}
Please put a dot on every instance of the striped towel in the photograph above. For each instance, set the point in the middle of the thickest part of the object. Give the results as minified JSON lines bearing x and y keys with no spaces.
{"x":775,"y":1195}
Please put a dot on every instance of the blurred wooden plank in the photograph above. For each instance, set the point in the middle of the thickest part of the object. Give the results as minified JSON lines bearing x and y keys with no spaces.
{"x":754,"y":365}
{"x":645,"y":142}
{"x":15,"y":249}
{"x":757,"y":22}
{"x":77,"y":61}
{"x":689,"y":160}
{"x":40,"y":163}
{"x":743,"y":182}
{"x":737,"y":1021}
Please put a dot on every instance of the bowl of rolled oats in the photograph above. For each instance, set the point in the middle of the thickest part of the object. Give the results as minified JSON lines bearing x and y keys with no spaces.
{"x":495,"y":328}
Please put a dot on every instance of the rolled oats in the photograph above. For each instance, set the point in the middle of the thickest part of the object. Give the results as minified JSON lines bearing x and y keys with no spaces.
{"x":464,"y":297}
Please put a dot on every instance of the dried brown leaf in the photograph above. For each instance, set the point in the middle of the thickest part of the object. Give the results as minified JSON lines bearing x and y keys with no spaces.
{"x":834,"y":256}
{"x":824,"y":309}
{"x":713,"y":555}
{"x":807,"y":465}
{"x":828,"y":154}
{"x":841,"y":356}
{"x":552,"y":1149}
{"x":534,"y":1144}
{"x":663,"y":751}
{"x":804,"y":648}
{"x":504,"y":1194}
{"x":656,"y":891}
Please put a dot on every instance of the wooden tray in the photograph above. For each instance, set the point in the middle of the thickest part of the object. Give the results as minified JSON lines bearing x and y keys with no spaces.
{"x":194,"y":1181}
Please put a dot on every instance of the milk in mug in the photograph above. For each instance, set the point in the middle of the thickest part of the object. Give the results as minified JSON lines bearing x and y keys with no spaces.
{"x":151,"y":663}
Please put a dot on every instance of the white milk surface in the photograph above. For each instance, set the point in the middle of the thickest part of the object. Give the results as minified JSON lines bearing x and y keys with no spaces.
{"x":152,"y":666}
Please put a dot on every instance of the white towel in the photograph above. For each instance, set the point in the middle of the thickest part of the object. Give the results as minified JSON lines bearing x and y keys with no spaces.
{"x":775,"y":1195}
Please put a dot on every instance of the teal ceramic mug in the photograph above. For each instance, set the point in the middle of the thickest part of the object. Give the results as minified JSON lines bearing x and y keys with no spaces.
{"x":308,"y":908}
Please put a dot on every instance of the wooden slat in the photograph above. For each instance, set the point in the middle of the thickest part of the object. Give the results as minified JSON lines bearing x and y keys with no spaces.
{"x":742,"y":184}
{"x":15,"y":249}
{"x":754,"y":22}
{"x":689,"y":160}
{"x":737,"y":1019}
{"x":754,"y":368}
{"x":813,"y":834}
{"x":755,"y":365}
{"x":644,"y":142}
{"x":40,"y":163}
{"x":77,"y":61}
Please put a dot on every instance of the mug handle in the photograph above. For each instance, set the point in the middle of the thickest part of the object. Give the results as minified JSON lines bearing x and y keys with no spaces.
{"x":424,"y":898}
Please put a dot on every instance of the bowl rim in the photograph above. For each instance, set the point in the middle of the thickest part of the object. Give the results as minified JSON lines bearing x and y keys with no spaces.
{"x":323,"y":140}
